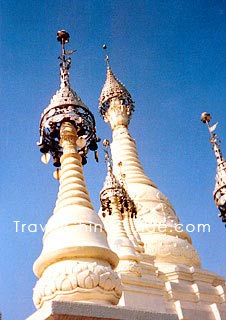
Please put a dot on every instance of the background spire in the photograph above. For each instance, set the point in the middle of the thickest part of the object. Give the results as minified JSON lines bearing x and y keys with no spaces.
{"x":219,"y":193}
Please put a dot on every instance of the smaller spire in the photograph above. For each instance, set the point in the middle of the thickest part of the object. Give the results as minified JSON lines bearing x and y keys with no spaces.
{"x":219,"y":192}
{"x":116,"y":189}
{"x":112,"y":90}
{"x":118,"y":210}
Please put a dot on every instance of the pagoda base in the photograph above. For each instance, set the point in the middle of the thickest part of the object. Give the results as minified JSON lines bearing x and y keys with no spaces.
{"x":61,"y":310}
{"x":146,"y":292}
{"x":194,"y":293}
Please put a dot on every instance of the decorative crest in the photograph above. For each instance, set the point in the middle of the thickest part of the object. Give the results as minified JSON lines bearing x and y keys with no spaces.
{"x":66,"y":105}
{"x":219,"y":193}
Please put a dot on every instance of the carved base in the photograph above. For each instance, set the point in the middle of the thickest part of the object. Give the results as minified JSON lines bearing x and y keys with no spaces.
{"x":72,"y":280}
{"x":170,"y":249}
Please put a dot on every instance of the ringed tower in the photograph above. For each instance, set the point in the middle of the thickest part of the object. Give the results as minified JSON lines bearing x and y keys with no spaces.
{"x":156,"y":221}
{"x":189,"y":291}
{"x":76,"y":263}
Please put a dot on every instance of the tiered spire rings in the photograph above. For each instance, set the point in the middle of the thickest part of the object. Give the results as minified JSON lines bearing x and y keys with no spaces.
{"x":76,"y":263}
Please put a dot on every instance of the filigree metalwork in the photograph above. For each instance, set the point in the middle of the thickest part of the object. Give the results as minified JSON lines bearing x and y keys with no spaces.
{"x":219,"y":193}
{"x":66,"y":105}
{"x":114,"y":190}
{"x":112,"y":89}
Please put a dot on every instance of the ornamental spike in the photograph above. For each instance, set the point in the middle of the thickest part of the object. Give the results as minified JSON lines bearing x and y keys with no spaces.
{"x":115,"y":100}
{"x":219,"y":193}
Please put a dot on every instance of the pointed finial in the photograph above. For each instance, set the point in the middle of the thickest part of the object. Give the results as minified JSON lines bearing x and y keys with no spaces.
{"x":63,"y":37}
{"x":106,"y":55}
{"x":113,"y":89}
{"x":66,"y":105}
{"x":65,"y":64}
{"x":219,"y":193}
{"x":206,"y":118}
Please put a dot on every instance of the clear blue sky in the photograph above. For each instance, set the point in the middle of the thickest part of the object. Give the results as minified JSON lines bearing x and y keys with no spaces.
{"x":171,"y":55}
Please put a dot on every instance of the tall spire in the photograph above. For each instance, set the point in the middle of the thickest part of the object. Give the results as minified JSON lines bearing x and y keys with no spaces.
{"x":157,"y":221}
{"x":219,"y":192}
{"x":116,"y":107}
{"x":117,"y":211}
{"x":76,"y":263}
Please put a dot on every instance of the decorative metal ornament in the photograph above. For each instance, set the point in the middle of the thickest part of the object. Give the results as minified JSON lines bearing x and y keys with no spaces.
{"x":66,"y":105}
{"x":113,"y":89}
{"x":219,"y":193}
{"x":114,"y":190}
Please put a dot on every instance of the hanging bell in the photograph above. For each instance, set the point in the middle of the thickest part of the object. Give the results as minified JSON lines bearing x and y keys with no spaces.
{"x":44,"y":148}
{"x":84,"y":160}
{"x":93,"y":145}
{"x":56,"y":162}
{"x":54,"y":133}
{"x":81,"y":131}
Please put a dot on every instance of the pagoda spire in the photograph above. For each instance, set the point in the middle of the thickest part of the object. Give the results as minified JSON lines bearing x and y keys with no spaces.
{"x":116,"y":107}
{"x":76,"y":263}
{"x":66,"y":104}
{"x":114,"y":91}
{"x":156,"y":221}
{"x":219,"y":193}
{"x":118,"y":210}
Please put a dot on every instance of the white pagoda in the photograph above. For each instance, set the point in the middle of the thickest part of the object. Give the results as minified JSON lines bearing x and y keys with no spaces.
{"x":131,"y":261}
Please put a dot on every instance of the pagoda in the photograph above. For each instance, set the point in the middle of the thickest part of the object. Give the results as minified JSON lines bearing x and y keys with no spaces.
{"x":131,"y":261}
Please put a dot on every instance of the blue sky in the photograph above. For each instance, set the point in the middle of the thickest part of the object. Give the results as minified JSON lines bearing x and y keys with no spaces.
{"x":171,"y":57}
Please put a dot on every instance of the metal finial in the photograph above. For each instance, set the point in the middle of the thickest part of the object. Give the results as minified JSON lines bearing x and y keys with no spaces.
{"x":114,"y":89}
{"x":65,"y":64}
{"x":66,"y":105}
{"x":205,"y":117}
{"x":219,"y":193}
{"x":63,"y":37}
{"x":106,"y":56}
